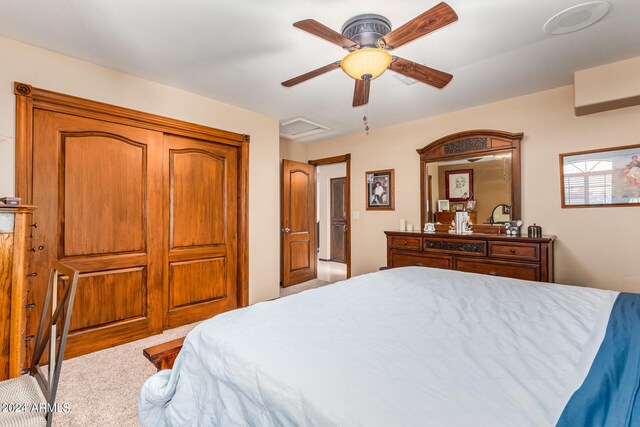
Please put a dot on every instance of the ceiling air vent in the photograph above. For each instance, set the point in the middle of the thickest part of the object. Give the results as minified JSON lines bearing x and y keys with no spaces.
{"x":404,"y":79}
{"x":299,"y":128}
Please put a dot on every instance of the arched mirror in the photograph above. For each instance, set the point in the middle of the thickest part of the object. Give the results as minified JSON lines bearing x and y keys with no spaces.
{"x":477,"y":171}
{"x":500,"y":214}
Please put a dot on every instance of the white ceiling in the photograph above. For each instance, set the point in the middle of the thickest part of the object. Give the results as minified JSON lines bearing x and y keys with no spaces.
{"x":239,"y":51}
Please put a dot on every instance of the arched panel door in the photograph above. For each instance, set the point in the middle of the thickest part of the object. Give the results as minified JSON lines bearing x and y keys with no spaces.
{"x":299,"y":260}
{"x":200,"y":229}
{"x":97,"y":186}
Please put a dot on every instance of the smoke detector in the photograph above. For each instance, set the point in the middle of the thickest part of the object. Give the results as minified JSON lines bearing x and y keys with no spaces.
{"x":576,"y":18}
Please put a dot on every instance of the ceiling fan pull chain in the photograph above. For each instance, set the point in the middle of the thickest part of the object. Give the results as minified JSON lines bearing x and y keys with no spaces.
{"x":366,"y":121}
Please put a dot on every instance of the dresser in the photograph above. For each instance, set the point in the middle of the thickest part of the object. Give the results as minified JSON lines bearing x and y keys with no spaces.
{"x":16,"y":226}
{"x":496,"y":255}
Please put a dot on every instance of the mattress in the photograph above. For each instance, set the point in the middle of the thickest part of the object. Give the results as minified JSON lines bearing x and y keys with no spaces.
{"x":411,"y":346}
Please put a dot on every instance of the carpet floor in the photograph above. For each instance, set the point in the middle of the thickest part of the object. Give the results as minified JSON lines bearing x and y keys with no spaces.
{"x":102,"y":388}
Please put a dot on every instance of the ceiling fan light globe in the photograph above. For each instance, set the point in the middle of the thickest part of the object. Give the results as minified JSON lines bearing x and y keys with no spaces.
{"x":367,"y":63}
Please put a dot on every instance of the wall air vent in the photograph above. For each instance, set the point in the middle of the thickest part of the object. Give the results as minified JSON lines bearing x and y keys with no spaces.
{"x":299,"y":128}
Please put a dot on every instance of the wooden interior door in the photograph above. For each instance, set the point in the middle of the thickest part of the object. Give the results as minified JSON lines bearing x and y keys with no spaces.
{"x":98,"y":189}
{"x":200,"y":229}
{"x":299,"y":261}
{"x":338,"y":219}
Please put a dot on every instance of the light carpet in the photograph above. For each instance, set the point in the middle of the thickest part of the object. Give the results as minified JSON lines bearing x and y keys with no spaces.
{"x":102,"y":388}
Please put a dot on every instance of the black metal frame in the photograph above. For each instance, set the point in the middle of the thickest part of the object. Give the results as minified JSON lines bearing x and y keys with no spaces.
{"x":54,"y":306}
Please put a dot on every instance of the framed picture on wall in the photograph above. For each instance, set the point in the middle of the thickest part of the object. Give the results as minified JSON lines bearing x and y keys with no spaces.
{"x":379,"y":190}
{"x":459,"y":185}
{"x":603,"y":177}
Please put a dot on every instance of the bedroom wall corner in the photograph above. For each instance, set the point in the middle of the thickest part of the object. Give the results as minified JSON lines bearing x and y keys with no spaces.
{"x":293,"y":150}
{"x":53,"y":71}
{"x":596,"y":247}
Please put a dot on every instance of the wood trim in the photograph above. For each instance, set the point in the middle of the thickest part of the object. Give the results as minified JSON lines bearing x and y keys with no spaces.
{"x":430,"y":196}
{"x":330,"y":160}
{"x":24,"y":145}
{"x":339,"y":159}
{"x":54,"y":101}
{"x":243,"y":224}
{"x":424,"y":179}
{"x":508,"y":142}
{"x":164,"y":355}
{"x":487,"y":133}
{"x":473,"y":236}
{"x":348,"y":196}
{"x":578,"y":153}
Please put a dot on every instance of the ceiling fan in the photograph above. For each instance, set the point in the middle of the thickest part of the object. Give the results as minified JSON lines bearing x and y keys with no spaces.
{"x":368,"y":38}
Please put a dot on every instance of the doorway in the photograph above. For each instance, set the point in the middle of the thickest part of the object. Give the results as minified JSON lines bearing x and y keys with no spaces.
{"x":310,"y":259}
{"x":333,"y":218}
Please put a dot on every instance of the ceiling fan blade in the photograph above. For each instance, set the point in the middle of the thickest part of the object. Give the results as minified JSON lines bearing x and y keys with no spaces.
{"x":361,"y":92}
{"x":434,"y":18}
{"x":421,"y":73}
{"x":311,"y":74}
{"x":317,"y":29}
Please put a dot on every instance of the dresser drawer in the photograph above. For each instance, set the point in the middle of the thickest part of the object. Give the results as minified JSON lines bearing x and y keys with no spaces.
{"x":406,"y":243}
{"x":456,"y":246}
{"x":499,"y":268}
{"x":400,"y":259}
{"x":519,"y":251}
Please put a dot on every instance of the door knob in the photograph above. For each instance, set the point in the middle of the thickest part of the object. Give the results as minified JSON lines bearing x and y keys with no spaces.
{"x":344,"y":227}
{"x":286,"y":230}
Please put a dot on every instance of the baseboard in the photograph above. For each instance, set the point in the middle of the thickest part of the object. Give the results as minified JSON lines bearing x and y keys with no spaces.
{"x":322,"y":259}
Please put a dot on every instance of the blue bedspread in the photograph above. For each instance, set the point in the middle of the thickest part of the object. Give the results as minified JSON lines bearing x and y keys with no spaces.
{"x":610,"y":394}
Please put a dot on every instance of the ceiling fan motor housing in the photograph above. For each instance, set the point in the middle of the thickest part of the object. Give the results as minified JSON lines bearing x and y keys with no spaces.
{"x":366,"y":30}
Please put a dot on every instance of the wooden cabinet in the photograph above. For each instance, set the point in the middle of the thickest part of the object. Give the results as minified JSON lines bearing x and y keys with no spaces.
{"x":15,"y":241}
{"x":496,"y":255}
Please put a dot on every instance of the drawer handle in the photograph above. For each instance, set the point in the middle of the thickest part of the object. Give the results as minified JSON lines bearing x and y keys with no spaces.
{"x":513,"y":251}
{"x":419,"y":264}
{"x":492,"y":274}
{"x":405,"y":243}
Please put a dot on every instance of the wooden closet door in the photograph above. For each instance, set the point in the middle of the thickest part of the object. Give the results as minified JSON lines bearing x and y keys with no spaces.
{"x":201,"y":228}
{"x":98,"y":188}
{"x":299,"y":256}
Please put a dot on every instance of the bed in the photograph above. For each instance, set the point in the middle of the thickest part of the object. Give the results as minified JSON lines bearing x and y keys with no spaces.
{"x":410,"y":346}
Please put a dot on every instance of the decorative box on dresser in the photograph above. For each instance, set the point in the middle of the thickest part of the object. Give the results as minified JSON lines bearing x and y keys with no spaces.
{"x":516,"y":257}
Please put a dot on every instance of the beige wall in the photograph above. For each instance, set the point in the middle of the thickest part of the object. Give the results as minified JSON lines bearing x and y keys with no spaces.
{"x":596,"y":247}
{"x":292,"y":150}
{"x":64,"y":74}
{"x":607,"y":87}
